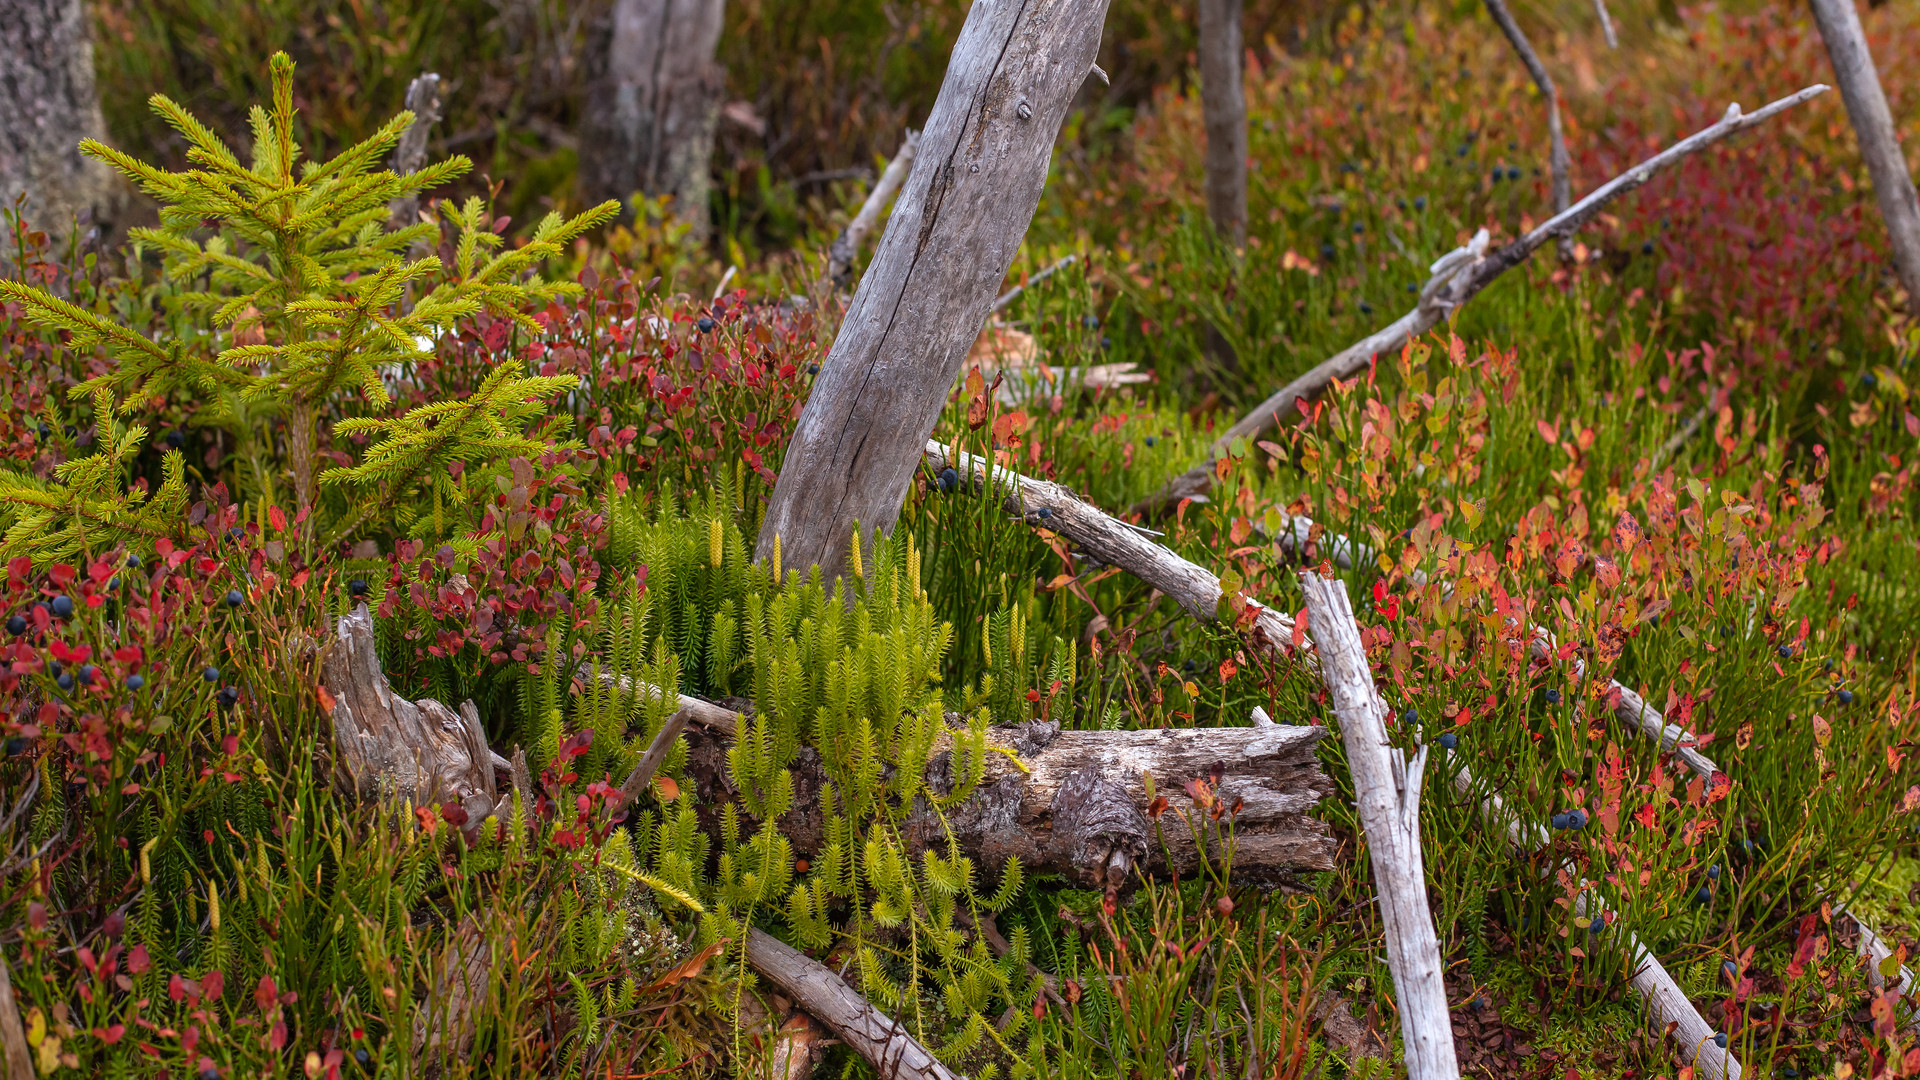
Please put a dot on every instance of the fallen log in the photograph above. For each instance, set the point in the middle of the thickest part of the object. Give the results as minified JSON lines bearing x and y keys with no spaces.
{"x":892,"y":1051}
{"x":1459,"y":276}
{"x":1386,"y":786}
{"x":1078,"y":803}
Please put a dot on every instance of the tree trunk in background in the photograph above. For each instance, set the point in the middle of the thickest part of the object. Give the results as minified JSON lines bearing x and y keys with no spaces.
{"x":1879,"y":142}
{"x":976,"y":181}
{"x":48,"y":103}
{"x":1223,"y":103}
{"x":651,"y":112}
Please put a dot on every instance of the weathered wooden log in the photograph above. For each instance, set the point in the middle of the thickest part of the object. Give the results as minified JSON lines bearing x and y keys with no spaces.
{"x":1387,"y":787}
{"x":846,"y":246}
{"x":1879,"y":141}
{"x":1223,"y":109}
{"x":892,"y":1051}
{"x":1076,"y":803}
{"x":1458,"y":277}
{"x":1110,"y":541}
{"x":979,"y":171}
{"x":389,"y":748}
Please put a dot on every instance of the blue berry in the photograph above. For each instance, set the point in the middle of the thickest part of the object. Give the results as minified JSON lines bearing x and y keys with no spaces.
{"x":1870,"y":380}
{"x":1646,"y":248}
{"x":1713,"y":872}
{"x":135,"y":682}
{"x":1846,"y":697}
{"x":1576,"y":819}
{"x":1366,"y":308}
{"x":1513,"y":172}
{"x":228,"y":695}
{"x":1720,"y":1040}
{"x":1704,"y":896}
{"x":1410,"y":716}
{"x":211,"y":674}
{"x":949,"y":479}
{"x":234,"y":598}
{"x":706,"y":325}
{"x":209,"y":1073}
{"x":1732,"y":973}
{"x":16,"y":625}
{"x":812,"y":369}
{"x":1150,"y":440}
{"x":1497,"y":174}
{"x":1046,"y":513}
{"x":1786,"y":650}
{"x":65,"y":682}
{"x":1553,"y":696}
{"x":1449,"y":741}
{"x":1419,"y":202}
{"x":362,"y":1056}
{"x":1358,"y":228}
{"x":1561,"y":821}
{"x":357,"y":587}
{"x":86,"y":674}
{"x":54,"y":667}
{"x":1326,"y":250}
{"x":62,"y":606}
{"x":133,"y":562}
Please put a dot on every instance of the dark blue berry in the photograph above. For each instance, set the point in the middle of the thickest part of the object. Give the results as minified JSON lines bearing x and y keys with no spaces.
{"x":1412,"y":288}
{"x":1846,"y":697}
{"x":1410,"y":716}
{"x":17,"y":745}
{"x":1091,"y":322}
{"x":362,"y":1056}
{"x":1576,"y":819}
{"x":133,"y":562}
{"x":1366,"y":308}
{"x":1786,"y":650}
{"x":1150,"y":440}
{"x":234,"y":598}
{"x":1449,"y":741}
{"x":1713,"y":872}
{"x":176,"y":440}
{"x":1419,"y":202}
{"x":62,"y":606}
{"x":1553,"y":696}
{"x":1720,"y":1039}
{"x":1646,"y":248}
{"x":54,"y":667}
{"x":86,"y":674}
{"x":949,"y":479}
{"x":209,"y":1073}
{"x":1562,"y":821}
{"x":1358,"y":228}
{"x":1106,"y":342}
{"x":357,"y":587}
{"x":65,"y":682}
{"x":16,"y":625}
{"x":706,"y":325}
{"x":1704,"y":896}
{"x":228,"y":695}
{"x":1045,"y":512}
{"x":1870,"y":380}
{"x":812,"y":369}
{"x":1497,"y":174}
{"x":135,"y":682}
{"x":1513,"y":172}
{"x":1326,"y":250}
{"x":211,"y":674}
{"x":1726,"y":968}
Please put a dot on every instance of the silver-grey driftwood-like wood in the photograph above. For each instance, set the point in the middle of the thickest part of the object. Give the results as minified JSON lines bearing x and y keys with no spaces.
{"x":1223,"y":109}
{"x":976,"y":181}
{"x":1387,"y":787}
{"x":1454,"y":283}
{"x":846,"y":246}
{"x":886,"y":1044}
{"x":410,"y":153}
{"x":1859,"y":81}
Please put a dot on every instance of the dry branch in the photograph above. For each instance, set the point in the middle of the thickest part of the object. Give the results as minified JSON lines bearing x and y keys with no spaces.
{"x":1557,"y":139}
{"x":1113,"y":542}
{"x":947,"y":246}
{"x":846,"y":246}
{"x":1879,"y":141}
{"x":1013,"y":294}
{"x":1455,"y":282}
{"x":1606,"y":23}
{"x":1387,"y":787}
{"x":892,"y":1051}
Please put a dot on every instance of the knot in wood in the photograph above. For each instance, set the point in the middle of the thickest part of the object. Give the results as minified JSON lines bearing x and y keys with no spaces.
{"x":1096,"y":817}
{"x":1024,"y":112}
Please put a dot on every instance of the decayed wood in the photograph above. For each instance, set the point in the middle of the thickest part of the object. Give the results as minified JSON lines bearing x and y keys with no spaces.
{"x":892,"y":1051}
{"x":389,"y":748}
{"x":649,"y":763}
{"x":846,"y":246}
{"x":982,"y":163}
{"x":13,"y":1038}
{"x":1387,"y":787}
{"x":410,"y":154}
{"x":1458,"y":277}
{"x":1557,"y":140}
{"x":1649,"y":978}
{"x":653,"y":104}
{"x":1223,"y":108}
{"x":1075,"y":803}
{"x":1879,"y":141}
{"x":1113,"y":542}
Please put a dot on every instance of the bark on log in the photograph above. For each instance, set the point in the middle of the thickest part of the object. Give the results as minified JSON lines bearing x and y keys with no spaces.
{"x":389,"y":748}
{"x":410,"y":155}
{"x":652,"y":107}
{"x":1454,"y":284}
{"x":13,"y":1038}
{"x":1866,"y":102}
{"x":981,"y":165}
{"x":846,"y":246}
{"x":1387,"y":787}
{"x":1557,"y":160}
{"x":1076,"y":803}
{"x":1112,"y":542}
{"x":892,"y":1051}
{"x":1223,"y":108}
{"x":50,"y":101}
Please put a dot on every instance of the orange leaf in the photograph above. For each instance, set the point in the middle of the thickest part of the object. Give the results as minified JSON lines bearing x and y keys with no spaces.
{"x":689,"y":967}
{"x":326,"y":699}
{"x":669,"y":791}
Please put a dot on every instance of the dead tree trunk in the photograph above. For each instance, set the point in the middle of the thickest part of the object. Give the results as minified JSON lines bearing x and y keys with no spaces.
{"x":50,"y":102}
{"x":652,"y":109}
{"x":423,"y":101}
{"x":1879,"y":142}
{"x":1387,"y":787}
{"x":1223,"y":106}
{"x":977,"y":178}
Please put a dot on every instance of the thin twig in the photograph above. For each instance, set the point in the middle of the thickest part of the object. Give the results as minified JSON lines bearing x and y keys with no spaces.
{"x":1013,"y":294}
{"x":1557,"y":154}
{"x":1606,"y":23}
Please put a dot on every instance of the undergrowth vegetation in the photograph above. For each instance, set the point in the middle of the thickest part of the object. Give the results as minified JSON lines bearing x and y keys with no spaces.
{"x":1683,"y":460}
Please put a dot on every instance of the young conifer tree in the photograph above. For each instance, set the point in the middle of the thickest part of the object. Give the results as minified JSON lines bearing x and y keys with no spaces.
{"x":297,"y":259}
